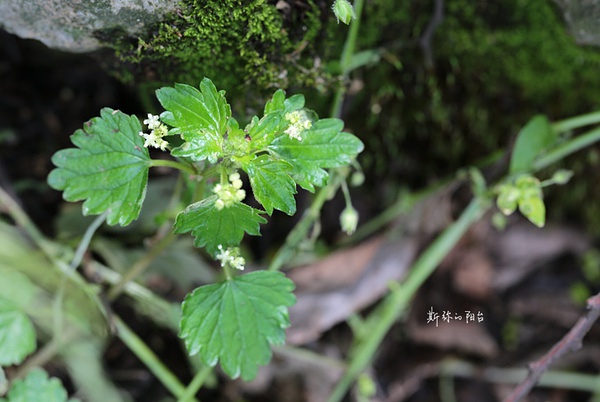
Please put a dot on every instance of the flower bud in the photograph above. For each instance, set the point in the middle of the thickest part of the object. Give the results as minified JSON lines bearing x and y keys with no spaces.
{"x":562,"y":176}
{"x":349,"y":220}
{"x":343,"y":11}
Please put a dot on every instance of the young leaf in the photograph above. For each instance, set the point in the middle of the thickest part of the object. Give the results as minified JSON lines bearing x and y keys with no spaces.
{"x":276,"y":102}
{"x":235,"y":321}
{"x":200,"y":145}
{"x":17,"y":334}
{"x":213,"y":227}
{"x":263,"y":131}
{"x":37,"y":387}
{"x":109,"y":167}
{"x":533,"y":139}
{"x":322,"y":146}
{"x":271,"y":184}
{"x":279,"y":104}
{"x":189,"y":110}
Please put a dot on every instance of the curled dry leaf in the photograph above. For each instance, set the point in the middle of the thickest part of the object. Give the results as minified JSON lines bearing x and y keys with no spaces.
{"x":347,"y":281}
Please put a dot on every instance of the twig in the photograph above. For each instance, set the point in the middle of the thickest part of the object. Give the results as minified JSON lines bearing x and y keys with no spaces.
{"x":570,"y":342}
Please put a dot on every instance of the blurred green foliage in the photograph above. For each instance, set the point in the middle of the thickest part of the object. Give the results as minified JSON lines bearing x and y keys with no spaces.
{"x":495,"y":64}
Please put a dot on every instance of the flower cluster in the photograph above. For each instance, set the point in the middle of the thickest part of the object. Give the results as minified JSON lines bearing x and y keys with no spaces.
{"x":298,"y":123}
{"x":157,"y":132}
{"x":229,"y":193}
{"x":231,"y":257}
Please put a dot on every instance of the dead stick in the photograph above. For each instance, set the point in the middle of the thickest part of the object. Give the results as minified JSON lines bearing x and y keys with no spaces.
{"x":570,"y":342}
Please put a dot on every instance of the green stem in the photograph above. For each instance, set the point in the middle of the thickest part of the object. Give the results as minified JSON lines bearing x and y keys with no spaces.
{"x":551,"y":378}
{"x":173,"y":164}
{"x":300,"y":231}
{"x":11,"y":207}
{"x":309,"y":357}
{"x":57,"y":304}
{"x":140,"y":265}
{"x":576,"y":122}
{"x":154,"y":364}
{"x":397,"y":301}
{"x":346,"y":192}
{"x":346,"y":58}
{"x":86,"y":239}
{"x":195,"y":384}
{"x":569,"y":147}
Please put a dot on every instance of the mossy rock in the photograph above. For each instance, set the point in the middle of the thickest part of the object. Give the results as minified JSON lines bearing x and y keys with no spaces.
{"x":245,"y":47}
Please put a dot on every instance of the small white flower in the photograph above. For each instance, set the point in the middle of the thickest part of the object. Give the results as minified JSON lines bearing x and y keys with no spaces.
{"x":294,"y":132}
{"x":153,"y":140}
{"x":153,"y":122}
{"x":231,"y":257}
{"x":229,"y":193}
{"x":157,"y":132}
{"x":299,"y":123}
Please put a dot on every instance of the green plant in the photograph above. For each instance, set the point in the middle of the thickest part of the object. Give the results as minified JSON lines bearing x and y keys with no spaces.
{"x":233,"y":321}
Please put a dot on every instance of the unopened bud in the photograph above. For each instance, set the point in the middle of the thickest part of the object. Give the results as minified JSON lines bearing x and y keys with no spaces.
{"x":343,"y":11}
{"x":562,"y":176}
{"x":349,"y":220}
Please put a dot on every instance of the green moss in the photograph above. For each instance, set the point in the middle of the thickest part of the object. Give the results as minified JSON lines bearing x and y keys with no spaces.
{"x":241,"y":45}
{"x":495,"y":65}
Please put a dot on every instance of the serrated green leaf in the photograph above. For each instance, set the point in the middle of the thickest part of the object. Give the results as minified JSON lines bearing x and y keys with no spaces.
{"x":37,"y":387}
{"x":237,"y":320}
{"x":271,"y":184}
{"x":189,"y":110}
{"x":278,"y":103}
{"x":109,"y":167}
{"x":273,"y":123}
{"x":263,"y":131}
{"x":323,"y":146}
{"x":213,"y":227}
{"x":17,"y":334}
{"x":533,"y":208}
{"x":535,"y":138}
{"x":199,"y":146}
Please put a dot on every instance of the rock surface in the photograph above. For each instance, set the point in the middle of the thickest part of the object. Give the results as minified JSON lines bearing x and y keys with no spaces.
{"x":583,"y":18}
{"x":69,"y":25}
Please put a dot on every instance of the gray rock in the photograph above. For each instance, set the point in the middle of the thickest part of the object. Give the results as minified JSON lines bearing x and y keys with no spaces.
{"x":583,"y":18}
{"x":69,"y":24}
